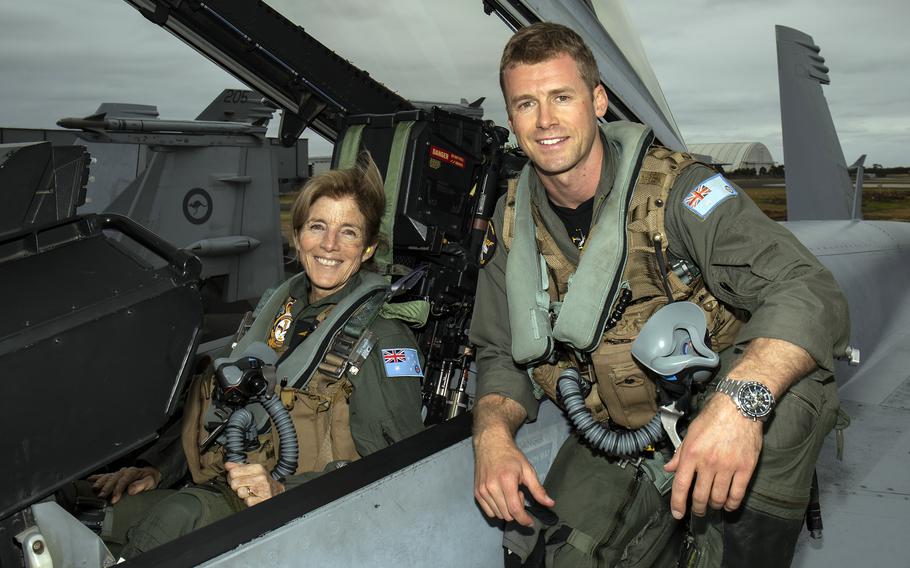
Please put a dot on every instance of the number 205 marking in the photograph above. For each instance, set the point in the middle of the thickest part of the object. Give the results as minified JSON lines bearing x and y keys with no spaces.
{"x":236,"y":96}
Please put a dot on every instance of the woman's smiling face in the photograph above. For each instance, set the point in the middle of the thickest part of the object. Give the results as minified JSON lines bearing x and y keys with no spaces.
{"x":331,"y":245}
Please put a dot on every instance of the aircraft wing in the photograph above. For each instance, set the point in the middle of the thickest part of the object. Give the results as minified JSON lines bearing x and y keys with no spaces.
{"x":864,"y":497}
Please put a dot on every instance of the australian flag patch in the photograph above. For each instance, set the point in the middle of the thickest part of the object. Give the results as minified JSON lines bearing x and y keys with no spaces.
{"x":401,"y":362}
{"x":707,"y":195}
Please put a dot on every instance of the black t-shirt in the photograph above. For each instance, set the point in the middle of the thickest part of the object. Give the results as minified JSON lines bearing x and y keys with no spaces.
{"x":577,"y":221}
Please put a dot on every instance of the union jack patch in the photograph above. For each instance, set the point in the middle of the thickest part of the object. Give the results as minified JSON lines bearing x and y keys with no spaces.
{"x":401,"y":362}
{"x":707,"y":195}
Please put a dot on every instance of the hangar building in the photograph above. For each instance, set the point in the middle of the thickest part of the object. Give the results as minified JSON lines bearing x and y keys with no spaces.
{"x":736,"y":155}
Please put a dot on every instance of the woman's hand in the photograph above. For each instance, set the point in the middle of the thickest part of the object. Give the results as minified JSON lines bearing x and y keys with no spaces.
{"x":133,"y":480}
{"x":251,"y":482}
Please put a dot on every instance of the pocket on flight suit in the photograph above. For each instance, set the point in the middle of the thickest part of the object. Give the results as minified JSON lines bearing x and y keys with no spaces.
{"x":627,"y":392}
{"x":792,"y":440}
{"x":622,"y":518}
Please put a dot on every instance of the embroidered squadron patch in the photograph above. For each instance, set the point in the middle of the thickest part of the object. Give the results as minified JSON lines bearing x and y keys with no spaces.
{"x":281,"y":326}
{"x":708,"y":194}
{"x":489,"y":245}
{"x":401,"y":362}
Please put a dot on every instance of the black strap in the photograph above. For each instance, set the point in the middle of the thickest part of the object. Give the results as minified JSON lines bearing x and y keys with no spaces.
{"x":662,"y":266}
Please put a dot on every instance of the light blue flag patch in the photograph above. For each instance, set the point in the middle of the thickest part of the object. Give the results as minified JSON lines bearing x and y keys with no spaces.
{"x":707,"y":195}
{"x":401,"y":362}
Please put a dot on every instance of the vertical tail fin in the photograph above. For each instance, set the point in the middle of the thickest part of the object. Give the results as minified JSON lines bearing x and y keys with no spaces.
{"x":238,"y":105}
{"x":858,"y":169}
{"x":818,"y":185}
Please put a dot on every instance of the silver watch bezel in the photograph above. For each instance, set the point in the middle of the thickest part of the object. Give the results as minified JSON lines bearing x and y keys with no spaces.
{"x":734,"y":388}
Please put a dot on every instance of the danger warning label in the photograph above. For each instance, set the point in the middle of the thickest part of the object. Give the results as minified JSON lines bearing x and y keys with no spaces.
{"x":446,"y":156}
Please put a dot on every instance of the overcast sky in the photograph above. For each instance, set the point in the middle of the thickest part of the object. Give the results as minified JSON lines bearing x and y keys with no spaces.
{"x":715,"y":59}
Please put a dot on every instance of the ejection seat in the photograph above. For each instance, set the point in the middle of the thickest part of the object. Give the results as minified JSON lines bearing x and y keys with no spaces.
{"x":100,"y":324}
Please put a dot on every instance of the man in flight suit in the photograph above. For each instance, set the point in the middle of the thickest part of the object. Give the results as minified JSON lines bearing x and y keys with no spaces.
{"x":744,"y":469}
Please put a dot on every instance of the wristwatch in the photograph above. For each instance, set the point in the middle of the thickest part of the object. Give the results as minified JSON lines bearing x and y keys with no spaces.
{"x":752,"y":398}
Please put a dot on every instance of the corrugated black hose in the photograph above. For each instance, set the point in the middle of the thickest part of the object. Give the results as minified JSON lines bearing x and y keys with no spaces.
{"x":573,"y":390}
{"x":240,"y":427}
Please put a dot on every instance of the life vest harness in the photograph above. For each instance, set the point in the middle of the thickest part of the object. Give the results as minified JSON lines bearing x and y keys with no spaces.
{"x":332,"y":339}
{"x":597,"y":317}
{"x":313,"y":380}
{"x":581,"y":316}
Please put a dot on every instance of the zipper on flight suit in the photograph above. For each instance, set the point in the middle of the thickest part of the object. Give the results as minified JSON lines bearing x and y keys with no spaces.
{"x":632,"y":491}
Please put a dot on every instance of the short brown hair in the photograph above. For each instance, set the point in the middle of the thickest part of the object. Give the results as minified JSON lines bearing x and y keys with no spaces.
{"x":543,"y":41}
{"x":362,"y":182}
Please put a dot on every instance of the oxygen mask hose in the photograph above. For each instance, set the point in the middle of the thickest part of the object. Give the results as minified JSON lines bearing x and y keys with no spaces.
{"x":238,"y":430}
{"x":288,"y":451}
{"x":627,"y":443}
{"x":250,"y":379}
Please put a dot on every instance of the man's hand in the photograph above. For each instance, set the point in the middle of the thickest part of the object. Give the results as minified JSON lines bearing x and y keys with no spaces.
{"x":499,"y":466}
{"x":133,"y":480}
{"x":718,"y":454}
{"x":251,"y":482}
{"x":499,"y":469}
{"x":721,"y":447}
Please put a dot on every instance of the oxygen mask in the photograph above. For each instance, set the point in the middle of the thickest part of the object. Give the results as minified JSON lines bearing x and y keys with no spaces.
{"x":251,"y":378}
{"x":247,"y":378}
{"x":673,"y":344}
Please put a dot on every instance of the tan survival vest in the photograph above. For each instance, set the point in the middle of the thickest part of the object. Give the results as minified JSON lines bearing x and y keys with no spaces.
{"x":320,"y":413}
{"x":623,"y":392}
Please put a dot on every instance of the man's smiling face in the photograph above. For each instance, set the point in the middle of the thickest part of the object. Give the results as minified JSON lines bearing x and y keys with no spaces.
{"x":552,"y":113}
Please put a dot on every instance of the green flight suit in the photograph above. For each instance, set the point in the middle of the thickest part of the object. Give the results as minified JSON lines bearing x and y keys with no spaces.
{"x":383,"y":410}
{"x":751,"y":263}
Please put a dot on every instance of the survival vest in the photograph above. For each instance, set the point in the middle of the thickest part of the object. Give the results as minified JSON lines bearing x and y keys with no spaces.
{"x":317,"y":401}
{"x":621,"y":253}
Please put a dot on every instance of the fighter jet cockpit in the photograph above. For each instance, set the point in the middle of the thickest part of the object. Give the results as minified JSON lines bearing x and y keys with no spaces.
{"x":137,"y":252}
{"x":126,"y":316}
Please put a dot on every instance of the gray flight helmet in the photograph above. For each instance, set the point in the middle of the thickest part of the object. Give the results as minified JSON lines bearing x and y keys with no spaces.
{"x":672,"y":342}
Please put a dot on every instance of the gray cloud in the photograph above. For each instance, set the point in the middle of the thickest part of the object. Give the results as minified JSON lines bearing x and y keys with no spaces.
{"x":718,"y":69}
{"x":716,"y":61}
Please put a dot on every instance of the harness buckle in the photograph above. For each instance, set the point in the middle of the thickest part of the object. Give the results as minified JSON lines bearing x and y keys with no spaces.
{"x":629,"y":461}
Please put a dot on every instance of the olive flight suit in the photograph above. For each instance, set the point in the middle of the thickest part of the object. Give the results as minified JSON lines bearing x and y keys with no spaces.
{"x":382,"y":411}
{"x":619,"y":510}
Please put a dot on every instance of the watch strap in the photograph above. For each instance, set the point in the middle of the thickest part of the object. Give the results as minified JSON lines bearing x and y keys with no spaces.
{"x":729,"y":387}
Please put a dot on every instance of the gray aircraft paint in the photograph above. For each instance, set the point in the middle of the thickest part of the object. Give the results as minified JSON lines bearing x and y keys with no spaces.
{"x":818,"y":186}
{"x":864,"y":497}
{"x":209,"y":185}
{"x":422,"y":513}
{"x":226,"y":169}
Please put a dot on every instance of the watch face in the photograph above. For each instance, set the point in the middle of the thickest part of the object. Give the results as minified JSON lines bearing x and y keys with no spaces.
{"x":755,"y":399}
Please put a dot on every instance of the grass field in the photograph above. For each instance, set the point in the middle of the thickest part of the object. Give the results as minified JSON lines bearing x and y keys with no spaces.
{"x":884,"y":198}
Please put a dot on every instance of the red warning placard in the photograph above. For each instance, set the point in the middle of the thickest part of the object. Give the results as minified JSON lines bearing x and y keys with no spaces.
{"x":446,"y":156}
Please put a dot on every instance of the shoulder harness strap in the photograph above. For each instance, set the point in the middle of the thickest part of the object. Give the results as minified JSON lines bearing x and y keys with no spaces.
{"x":349,"y":318}
{"x":647,"y":238}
